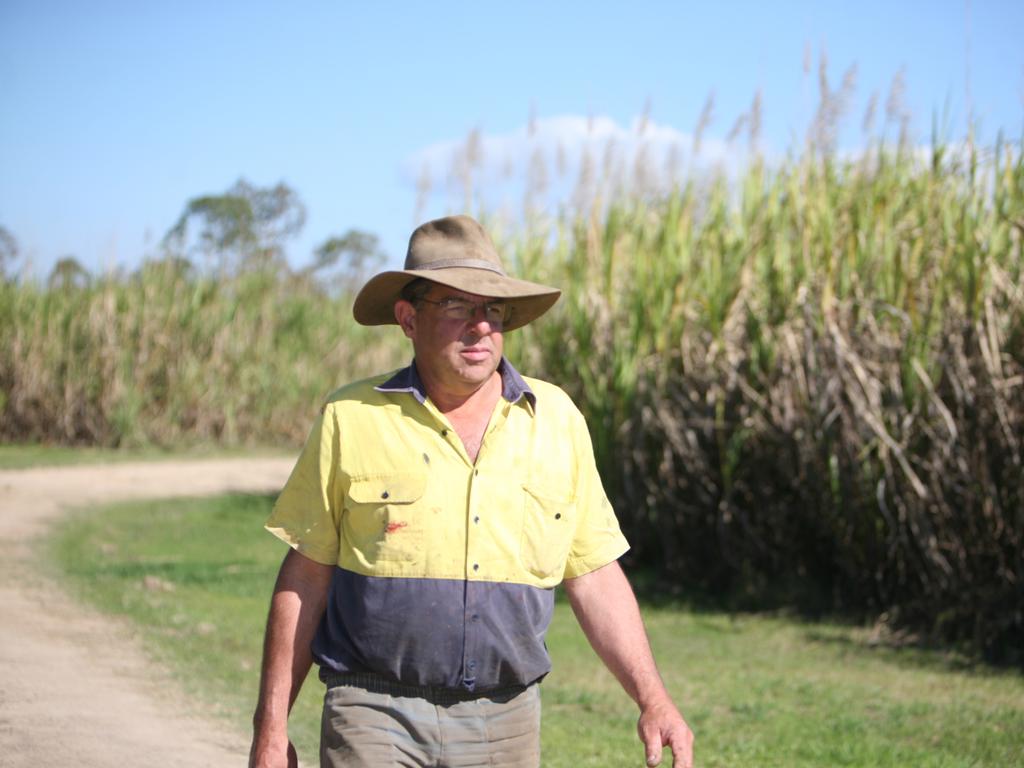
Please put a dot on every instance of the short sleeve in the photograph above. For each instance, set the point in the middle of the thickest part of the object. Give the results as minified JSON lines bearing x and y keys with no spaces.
{"x":307,"y":514}
{"x":598,"y":539}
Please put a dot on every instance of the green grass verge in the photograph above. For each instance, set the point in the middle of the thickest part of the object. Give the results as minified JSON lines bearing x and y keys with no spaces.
{"x":195,"y":576}
{"x":26,"y":455}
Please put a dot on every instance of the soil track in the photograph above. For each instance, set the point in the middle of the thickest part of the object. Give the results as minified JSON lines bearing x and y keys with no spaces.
{"x":75,"y":689}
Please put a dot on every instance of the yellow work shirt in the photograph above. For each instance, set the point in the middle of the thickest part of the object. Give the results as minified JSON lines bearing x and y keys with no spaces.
{"x":445,"y":568}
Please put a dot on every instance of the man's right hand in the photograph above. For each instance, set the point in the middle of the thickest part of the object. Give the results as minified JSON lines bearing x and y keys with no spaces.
{"x":272,"y":755}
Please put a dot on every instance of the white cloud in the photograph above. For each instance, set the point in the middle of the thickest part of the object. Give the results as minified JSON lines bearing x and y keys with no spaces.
{"x":564,"y":158}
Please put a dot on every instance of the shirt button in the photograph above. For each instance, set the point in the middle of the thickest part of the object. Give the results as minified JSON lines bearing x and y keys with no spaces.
{"x":476,"y":566}
{"x":476,"y":472}
{"x":475,"y":617}
{"x":444,"y":433}
{"x":471,"y":665}
{"x":476,"y":519}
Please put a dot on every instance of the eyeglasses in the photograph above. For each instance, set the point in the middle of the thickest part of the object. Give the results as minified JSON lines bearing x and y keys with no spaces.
{"x":495,"y":312}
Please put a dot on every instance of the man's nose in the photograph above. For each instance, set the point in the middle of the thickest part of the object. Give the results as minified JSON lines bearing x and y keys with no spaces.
{"x":480,"y":316}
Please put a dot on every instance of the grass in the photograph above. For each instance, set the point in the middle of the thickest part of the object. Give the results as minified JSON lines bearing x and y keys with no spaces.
{"x":25,"y":455}
{"x":195,"y":577}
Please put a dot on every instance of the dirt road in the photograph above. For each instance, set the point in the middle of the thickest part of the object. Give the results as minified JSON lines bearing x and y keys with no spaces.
{"x":75,"y":690}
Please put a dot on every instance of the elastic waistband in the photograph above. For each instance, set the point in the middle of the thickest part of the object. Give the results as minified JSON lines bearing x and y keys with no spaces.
{"x":434,"y":694}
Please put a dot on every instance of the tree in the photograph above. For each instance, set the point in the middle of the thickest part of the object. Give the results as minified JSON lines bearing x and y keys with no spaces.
{"x":355,"y":253}
{"x":358,"y":250}
{"x":68,"y":273}
{"x":246,"y":224}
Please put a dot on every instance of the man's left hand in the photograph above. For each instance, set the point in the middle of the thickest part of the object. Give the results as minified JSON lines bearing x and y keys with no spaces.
{"x":660,"y":725}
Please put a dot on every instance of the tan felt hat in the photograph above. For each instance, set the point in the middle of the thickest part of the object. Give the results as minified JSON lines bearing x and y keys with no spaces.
{"x":454,"y":251}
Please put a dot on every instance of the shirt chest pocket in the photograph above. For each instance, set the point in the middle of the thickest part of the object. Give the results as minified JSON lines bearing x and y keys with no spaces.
{"x":549,"y":522}
{"x":382,"y":521}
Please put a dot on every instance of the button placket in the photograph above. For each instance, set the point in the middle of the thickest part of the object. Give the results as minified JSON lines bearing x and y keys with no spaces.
{"x":471,"y":629}
{"x":471,"y":540}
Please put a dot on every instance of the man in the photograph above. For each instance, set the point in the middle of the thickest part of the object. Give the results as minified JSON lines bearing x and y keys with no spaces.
{"x":431,"y":514}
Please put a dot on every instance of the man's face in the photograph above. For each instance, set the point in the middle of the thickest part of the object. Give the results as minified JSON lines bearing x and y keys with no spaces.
{"x":457,"y":354}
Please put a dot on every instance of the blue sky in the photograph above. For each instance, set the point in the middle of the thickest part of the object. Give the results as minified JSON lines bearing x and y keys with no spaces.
{"x":114,"y":114}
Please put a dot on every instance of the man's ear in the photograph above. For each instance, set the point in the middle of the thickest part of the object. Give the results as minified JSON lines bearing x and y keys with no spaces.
{"x":405,"y":314}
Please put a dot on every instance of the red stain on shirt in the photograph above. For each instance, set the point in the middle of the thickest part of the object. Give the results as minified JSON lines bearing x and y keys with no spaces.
{"x":393,"y":527}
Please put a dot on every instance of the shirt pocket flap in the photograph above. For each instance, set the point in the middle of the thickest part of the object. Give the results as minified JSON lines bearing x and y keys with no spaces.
{"x":548,"y":494}
{"x":387,"y":489}
{"x":549,"y":524}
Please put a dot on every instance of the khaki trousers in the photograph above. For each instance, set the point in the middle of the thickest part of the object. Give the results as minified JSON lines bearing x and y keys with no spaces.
{"x":366,"y":728}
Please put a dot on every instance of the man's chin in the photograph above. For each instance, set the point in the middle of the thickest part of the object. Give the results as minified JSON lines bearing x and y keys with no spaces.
{"x":478,"y":372}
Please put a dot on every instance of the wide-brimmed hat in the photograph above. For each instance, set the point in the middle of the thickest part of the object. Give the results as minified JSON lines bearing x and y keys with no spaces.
{"x":454,"y":251}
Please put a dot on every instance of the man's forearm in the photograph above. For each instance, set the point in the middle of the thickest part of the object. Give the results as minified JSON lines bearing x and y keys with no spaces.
{"x":607,"y":611}
{"x":295,"y":610}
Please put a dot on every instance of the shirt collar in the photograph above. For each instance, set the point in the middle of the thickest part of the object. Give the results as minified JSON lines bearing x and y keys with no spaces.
{"x":513,"y":385}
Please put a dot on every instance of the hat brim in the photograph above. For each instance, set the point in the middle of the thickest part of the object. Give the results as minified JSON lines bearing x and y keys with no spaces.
{"x":375,"y":304}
